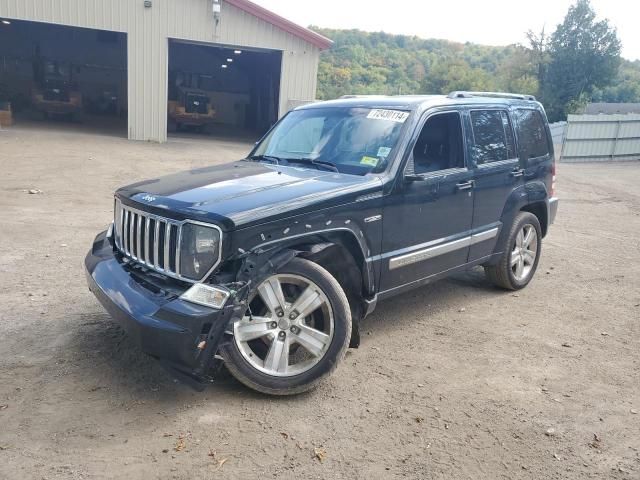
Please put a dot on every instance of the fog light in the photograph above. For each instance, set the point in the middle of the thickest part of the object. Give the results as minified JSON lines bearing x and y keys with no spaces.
{"x":206,"y":295}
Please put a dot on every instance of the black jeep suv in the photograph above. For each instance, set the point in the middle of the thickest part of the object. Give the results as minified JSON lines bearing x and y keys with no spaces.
{"x":269,"y":264}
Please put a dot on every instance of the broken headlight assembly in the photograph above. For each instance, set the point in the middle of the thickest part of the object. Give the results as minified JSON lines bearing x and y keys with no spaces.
{"x":207,"y":295}
{"x":199,"y":250}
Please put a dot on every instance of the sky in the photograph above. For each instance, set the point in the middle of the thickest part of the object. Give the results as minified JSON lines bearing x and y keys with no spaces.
{"x":487,"y":22}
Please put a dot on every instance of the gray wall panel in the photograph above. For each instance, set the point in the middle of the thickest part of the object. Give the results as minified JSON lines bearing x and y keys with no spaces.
{"x":602,"y":137}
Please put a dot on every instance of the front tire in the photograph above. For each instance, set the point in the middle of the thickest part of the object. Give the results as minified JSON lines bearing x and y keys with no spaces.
{"x":521,"y":255}
{"x":295,"y":332}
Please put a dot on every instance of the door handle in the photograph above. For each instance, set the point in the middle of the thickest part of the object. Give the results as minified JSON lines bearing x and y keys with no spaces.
{"x":518,"y":172}
{"x":465,"y":185}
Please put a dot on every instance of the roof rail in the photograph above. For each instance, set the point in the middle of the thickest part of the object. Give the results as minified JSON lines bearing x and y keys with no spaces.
{"x":360,"y":96}
{"x":515,"y":96}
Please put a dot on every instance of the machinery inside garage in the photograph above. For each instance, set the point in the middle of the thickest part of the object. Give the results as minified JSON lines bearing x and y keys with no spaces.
{"x":218,"y":89}
{"x":68,"y":75}
{"x":146,"y":68}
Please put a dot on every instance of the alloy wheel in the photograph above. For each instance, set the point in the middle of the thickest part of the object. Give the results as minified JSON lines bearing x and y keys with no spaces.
{"x":287,"y":328}
{"x":525,"y":250}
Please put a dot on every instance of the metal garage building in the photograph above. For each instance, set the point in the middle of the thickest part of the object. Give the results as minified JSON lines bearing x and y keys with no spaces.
{"x":212,"y":34}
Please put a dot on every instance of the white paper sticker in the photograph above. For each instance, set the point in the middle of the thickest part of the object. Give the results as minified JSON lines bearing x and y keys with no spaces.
{"x":384,"y":152}
{"x":389,"y":115}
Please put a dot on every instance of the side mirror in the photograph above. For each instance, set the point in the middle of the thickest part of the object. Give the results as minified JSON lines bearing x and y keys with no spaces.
{"x":410,"y":173}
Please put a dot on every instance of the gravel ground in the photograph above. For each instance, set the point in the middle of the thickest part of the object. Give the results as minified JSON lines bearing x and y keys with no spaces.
{"x":455,"y":380}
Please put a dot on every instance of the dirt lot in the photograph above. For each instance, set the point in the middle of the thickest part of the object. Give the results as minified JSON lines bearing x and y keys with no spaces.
{"x":456,"y":380}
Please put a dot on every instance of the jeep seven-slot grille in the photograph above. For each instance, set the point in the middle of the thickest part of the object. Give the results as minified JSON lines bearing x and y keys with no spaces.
{"x":148,"y":239}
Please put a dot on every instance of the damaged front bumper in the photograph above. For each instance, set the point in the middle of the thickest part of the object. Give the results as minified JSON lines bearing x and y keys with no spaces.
{"x":182,"y":335}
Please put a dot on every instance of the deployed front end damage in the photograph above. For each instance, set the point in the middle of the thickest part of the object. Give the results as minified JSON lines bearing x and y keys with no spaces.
{"x":184,"y":336}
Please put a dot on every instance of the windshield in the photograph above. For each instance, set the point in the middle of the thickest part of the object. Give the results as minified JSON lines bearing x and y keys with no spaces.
{"x":349,"y":140}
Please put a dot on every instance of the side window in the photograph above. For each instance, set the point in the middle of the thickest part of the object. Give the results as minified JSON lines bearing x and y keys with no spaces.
{"x":532,"y":134}
{"x":492,"y":135}
{"x":439,"y":145}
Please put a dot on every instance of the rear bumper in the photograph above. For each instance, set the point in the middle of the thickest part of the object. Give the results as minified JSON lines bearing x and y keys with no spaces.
{"x":553,"y":209}
{"x":159,"y":322}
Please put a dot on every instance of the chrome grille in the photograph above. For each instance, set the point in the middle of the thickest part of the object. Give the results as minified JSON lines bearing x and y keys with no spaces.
{"x":148,"y":239}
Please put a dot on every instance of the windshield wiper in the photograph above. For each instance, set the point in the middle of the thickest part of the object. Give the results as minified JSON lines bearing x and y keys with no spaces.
{"x":268,"y":158}
{"x":317,"y":163}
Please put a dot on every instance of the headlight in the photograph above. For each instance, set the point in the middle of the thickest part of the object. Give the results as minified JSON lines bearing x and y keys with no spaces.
{"x":199,"y":250}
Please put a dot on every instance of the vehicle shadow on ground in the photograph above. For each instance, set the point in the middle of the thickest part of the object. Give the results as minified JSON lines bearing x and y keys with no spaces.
{"x":452,"y":293}
{"x":109,"y":358}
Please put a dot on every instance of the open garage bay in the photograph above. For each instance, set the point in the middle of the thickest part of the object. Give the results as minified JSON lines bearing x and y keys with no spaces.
{"x":75,"y":78}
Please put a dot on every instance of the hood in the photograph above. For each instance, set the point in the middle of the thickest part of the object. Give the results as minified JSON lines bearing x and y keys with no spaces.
{"x":245,"y":193}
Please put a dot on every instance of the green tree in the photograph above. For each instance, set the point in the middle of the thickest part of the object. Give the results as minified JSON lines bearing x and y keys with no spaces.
{"x":538,"y":50}
{"x":380,"y":63}
{"x":625,"y":88}
{"x":449,"y":75}
{"x":518,"y":73}
{"x":585,"y":55}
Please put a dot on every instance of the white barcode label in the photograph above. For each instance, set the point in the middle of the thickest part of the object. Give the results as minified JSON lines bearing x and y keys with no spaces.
{"x":389,"y":115}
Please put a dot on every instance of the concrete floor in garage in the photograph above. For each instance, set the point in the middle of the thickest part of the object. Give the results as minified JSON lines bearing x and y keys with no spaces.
{"x":454,"y":380}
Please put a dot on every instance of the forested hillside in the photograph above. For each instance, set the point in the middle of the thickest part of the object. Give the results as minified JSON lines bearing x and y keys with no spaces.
{"x":379,"y":63}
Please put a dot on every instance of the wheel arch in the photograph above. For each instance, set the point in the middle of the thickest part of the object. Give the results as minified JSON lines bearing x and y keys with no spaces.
{"x":539,"y":209}
{"x":339,"y":252}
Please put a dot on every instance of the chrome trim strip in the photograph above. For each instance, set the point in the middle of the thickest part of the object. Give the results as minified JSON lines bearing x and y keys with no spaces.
{"x":434,"y":251}
{"x":167,"y":242}
{"x":127,"y":232}
{"x":178,"y":245}
{"x":384,"y":293}
{"x":427,"y":253}
{"x":139,"y":239}
{"x":482,"y":236}
{"x":156,"y":244}
{"x":147,"y":256}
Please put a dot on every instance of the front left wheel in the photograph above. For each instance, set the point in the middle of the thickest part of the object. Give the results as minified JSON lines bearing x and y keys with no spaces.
{"x":294,"y":333}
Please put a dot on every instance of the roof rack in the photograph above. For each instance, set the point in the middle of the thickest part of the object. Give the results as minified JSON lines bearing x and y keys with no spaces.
{"x":361,"y":96}
{"x":515,"y":96}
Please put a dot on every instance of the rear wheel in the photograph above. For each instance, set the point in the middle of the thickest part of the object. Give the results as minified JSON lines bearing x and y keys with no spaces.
{"x":294,"y":333}
{"x":521,"y":254}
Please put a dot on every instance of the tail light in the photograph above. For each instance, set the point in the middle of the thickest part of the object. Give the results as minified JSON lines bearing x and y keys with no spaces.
{"x":553,"y":179}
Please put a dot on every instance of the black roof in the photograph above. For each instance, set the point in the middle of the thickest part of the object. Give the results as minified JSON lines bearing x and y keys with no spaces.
{"x":415,"y":102}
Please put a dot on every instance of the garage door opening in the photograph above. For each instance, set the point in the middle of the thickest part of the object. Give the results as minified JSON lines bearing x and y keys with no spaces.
{"x":64,"y":77}
{"x":222,"y":91}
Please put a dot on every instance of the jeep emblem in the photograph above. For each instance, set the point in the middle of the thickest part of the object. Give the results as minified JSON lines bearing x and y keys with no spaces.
{"x":148,"y":198}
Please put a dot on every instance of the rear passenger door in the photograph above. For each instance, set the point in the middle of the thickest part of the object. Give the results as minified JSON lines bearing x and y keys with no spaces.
{"x":497,"y":172}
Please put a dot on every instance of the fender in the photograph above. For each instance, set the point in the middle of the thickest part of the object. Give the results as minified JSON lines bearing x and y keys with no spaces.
{"x":517,"y":199}
{"x":270,"y":240}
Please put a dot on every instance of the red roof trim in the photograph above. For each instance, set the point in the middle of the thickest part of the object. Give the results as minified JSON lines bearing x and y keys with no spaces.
{"x":287,"y":25}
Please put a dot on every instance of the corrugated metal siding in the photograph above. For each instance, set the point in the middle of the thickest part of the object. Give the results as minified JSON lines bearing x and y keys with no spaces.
{"x":601,"y":138}
{"x":558,"y":130}
{"x":100,"y":14}
{"x":148,"y":31}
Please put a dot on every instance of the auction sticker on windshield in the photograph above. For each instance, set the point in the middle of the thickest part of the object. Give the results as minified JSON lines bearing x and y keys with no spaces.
{"x":390,"y":115}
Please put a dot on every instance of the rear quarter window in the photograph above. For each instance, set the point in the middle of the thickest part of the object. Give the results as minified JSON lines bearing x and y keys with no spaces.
{"x":492,"y":136}
{"x":532,"y":134}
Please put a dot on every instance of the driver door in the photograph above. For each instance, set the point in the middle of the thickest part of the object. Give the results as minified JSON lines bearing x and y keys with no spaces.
{"x":428,"y":217}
